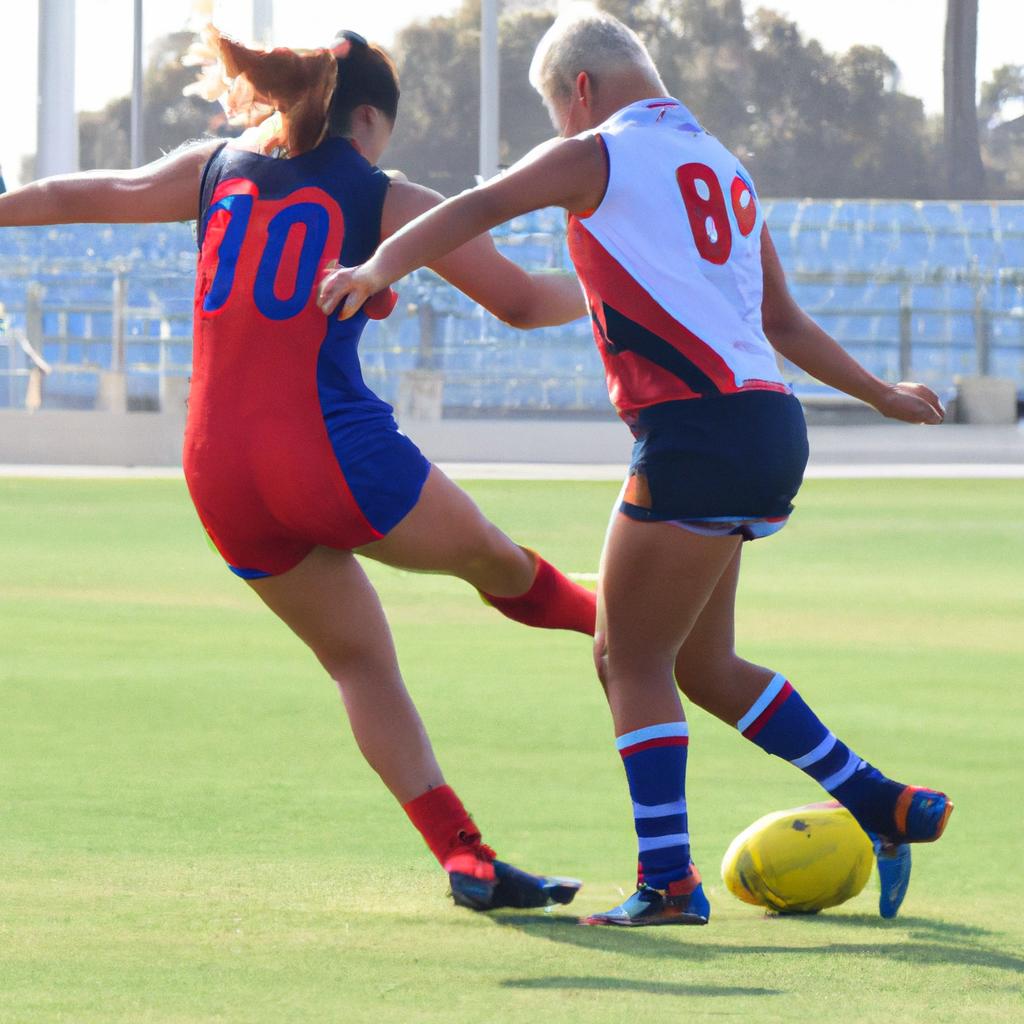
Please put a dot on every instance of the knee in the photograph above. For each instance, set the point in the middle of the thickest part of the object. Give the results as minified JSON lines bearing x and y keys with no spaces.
{"x":496,"y":565}
{"x":699,"y":676}
{"x":622,"y":666}
{"x":351,"y":666}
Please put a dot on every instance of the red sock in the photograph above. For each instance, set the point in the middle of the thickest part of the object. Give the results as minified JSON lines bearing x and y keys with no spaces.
{"x":446,"y":826}
{"x":552,"y":602}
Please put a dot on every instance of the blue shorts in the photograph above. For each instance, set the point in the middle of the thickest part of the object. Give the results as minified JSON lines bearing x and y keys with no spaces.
{"x":720,"y":465}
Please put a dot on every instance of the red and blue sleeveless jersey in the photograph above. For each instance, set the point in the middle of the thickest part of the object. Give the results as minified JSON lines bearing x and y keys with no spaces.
{"x":671,"y":263}
{"x":286,"y":447}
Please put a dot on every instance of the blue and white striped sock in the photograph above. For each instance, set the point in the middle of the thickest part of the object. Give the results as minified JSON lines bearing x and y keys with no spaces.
{"x":655,"y":763}
{"x":780,"y":723}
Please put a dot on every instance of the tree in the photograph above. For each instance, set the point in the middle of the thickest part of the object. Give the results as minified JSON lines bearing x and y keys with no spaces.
{"x":1001,"y":126}
{"x":806,"y":122}
{"x":435,"y":139}
{"x":170,"y":118}
{"x":965,"y":174}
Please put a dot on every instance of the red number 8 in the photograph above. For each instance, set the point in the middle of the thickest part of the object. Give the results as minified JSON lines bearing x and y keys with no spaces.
{"x":705,"y":206}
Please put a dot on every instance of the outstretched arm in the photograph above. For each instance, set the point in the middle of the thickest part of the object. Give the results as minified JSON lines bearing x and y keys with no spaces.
{"x":477,"y":268}
{"x":570,"y":173}
{"x":165,"y":190}
{"x":794,"y":334}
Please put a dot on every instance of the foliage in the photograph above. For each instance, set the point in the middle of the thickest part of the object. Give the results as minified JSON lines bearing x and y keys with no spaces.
{"x":435,"y":142}
{"x":806,"y":122}
{"x":1001,"y":123}
{"x":104,"y":136}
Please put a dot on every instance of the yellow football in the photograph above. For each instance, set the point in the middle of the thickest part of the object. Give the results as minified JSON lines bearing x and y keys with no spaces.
{"x":799,"y":861}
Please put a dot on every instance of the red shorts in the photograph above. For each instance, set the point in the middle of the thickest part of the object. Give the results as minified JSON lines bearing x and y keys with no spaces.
{"x":266,"y":501}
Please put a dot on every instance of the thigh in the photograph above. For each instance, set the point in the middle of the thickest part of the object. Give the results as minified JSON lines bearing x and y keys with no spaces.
{"x":329,"y":603}
{"x":712,"y":637}
{"x":655,"y":582}
{"x":443,"y":533}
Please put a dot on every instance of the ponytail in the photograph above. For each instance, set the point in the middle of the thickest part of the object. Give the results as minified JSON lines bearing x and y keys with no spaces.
{"x":308,"y":94}
{"x":254,"y":85}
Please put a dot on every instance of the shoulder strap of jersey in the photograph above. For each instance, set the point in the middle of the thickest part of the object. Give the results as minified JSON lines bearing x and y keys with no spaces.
{"x":207,"y":184}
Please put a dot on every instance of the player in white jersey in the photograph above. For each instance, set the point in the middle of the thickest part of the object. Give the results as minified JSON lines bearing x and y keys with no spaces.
{"x":689,"y":305}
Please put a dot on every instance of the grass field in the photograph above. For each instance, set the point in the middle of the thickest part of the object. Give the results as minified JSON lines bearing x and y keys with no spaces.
{"x":187,"y":833}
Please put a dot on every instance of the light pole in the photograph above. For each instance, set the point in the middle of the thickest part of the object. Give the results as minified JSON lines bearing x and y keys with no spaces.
{"x":137,"y":155}
{"x":489,"y":126}
{"x":56,"y":123}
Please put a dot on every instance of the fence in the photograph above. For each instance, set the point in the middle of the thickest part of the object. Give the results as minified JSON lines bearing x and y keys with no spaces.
{"x":928,"y":291}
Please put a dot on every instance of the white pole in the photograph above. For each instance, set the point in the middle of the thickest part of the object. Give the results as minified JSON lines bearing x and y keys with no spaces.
{"x":137,"y":155}
{"x":263,"y":21}
{"x":56,"y":122}
{"x":489,"y":126}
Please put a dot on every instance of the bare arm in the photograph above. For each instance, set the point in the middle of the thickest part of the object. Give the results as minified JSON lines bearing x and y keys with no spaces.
{"x":570,"y":173}
{"x":165,"y":190}
{"x":796,"y":336}
{"x":481,"y":272}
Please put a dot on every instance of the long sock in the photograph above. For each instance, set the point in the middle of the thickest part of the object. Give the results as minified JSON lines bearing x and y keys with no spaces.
{"x":552,"y":602}
{"x":655,"y":763}
{"x":780,"y":723}
{"x":445,"y":824}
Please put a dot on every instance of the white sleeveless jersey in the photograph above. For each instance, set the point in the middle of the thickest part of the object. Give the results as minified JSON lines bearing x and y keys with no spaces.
{"x":671,"y":263}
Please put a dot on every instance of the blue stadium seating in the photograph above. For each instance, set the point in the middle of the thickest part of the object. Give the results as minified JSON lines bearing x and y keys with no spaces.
{"x":851,"y":263}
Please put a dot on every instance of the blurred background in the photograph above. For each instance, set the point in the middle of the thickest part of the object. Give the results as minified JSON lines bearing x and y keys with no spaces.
{"x":886,"y":140}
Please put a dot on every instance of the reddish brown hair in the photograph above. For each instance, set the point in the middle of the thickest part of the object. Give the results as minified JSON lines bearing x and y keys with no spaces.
{"x":315,"y":92}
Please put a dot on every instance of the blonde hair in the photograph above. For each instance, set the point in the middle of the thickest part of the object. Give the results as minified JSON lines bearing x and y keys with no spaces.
{"x":585,"y":39}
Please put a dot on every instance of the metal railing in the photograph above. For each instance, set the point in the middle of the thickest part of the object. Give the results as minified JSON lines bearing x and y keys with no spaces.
{"x":484,"y":365}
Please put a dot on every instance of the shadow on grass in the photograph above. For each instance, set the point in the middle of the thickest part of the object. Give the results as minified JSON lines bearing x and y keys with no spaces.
{"x":920,"y":927}
{"x":647,"y":988}
{"x":649,"y":944}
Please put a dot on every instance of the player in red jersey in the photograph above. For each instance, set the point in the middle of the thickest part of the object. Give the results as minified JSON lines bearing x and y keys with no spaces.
{"x":689,"y":305}
{"x":292,"y":462}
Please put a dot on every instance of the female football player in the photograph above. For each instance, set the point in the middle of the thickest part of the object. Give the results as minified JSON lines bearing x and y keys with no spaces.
{"x":689,"y":305}
{"x":293,"y":464}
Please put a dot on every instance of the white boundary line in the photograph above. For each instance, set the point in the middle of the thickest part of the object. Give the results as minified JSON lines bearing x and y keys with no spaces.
{"x":567,"y":471}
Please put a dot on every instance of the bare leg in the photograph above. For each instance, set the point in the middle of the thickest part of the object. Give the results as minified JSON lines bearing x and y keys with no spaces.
{"x":710,"y":673}
{"x":447,"y":533}
{"x":655,"y":581}
{"x":707,"y":668}
{"x":329,"y":603}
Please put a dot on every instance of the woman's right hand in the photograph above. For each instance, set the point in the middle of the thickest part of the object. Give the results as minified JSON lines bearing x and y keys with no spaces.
{"x":347,"y":288}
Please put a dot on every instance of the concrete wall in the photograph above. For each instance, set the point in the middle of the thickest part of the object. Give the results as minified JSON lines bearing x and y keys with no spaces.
{"x":90,"y":438}
{"x":154,"y":439}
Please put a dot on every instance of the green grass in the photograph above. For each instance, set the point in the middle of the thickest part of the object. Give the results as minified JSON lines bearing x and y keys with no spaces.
{"x":187,"y":833}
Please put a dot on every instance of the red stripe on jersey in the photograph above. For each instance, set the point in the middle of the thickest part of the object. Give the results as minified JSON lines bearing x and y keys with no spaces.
{"x":661,"y":741}
{"x":766,"y":385}
{"x":634,"y":382}
{"x":762,"y":719}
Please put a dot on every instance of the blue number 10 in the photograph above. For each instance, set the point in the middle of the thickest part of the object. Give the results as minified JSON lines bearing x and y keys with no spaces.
{"x":316,"y":221}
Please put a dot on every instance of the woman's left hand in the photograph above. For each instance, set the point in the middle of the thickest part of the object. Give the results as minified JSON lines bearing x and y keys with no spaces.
{"x":347,"y":287}
{"x":911,"y":403}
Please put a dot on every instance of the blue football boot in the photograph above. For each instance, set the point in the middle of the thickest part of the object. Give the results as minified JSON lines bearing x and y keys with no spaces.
{"x":920,"y":817}
{"x":683,"y":902}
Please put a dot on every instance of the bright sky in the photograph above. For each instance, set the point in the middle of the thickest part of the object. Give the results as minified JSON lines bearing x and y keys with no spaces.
{"x":909,"y":30}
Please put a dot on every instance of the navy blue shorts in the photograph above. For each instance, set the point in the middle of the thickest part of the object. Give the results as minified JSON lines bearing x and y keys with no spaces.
{"x":736,"y":458}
